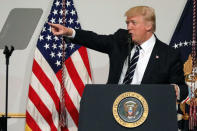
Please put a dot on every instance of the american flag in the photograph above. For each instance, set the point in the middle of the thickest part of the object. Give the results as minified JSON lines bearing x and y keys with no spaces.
{"x":43,"y":107}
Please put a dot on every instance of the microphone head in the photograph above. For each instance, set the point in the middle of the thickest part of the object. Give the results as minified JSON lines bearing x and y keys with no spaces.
{"x":12,"y":48}
{"x":129,"y":38}
{"x":5,"y":50}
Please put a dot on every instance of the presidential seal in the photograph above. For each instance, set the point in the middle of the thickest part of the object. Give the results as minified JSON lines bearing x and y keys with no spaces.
{"x":130,"y":109}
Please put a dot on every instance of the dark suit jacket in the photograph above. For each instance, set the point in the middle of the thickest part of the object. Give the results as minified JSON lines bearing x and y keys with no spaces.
{"x":166,"y":68}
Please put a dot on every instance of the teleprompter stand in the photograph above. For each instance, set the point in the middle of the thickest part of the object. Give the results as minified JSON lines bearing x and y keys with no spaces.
{"x":3,"y":119}
{"x":17,"y":30}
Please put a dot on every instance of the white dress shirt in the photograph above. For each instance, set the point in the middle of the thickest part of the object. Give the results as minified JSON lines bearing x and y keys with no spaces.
{"x":144,"y":56}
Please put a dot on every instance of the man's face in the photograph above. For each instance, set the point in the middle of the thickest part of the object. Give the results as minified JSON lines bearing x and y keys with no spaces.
{"x":138,"y":28}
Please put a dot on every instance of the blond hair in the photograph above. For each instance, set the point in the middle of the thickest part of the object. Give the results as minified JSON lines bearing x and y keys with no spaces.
{"x":147,"y":12}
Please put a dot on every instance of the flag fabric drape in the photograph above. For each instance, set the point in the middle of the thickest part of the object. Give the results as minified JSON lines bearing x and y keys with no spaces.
{"x":182,"y":41}
{"x":43,"y":105}
{"x":182,"y":37}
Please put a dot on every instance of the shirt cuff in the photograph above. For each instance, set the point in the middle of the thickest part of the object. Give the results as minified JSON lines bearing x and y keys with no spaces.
{"x":73,"y":35}
{"x":178,"y":97}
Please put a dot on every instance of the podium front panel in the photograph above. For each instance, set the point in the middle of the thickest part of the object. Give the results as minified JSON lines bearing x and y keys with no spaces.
{"x":97,"y":102}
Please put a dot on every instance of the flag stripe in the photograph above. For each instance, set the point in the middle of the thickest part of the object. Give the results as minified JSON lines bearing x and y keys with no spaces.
{"x":80,"y":67}
{"x":33,"y":124}
{"x":42,"y":108}
{"x":47,"y":70}
{"x":74,"y":96}
{"x":46,"y":83}
{"x":84,"y":56}
{"x":64,"y":129}
{"x":44,"y":96}
{"x":32,"y":110}
{"x":74,"y":76}
{"x":71,"y":108}
{"x":41,"y":91}
{"x":71,"y":125}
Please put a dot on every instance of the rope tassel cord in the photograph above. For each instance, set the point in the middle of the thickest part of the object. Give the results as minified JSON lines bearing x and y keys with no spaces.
{"x":63,"y":113}
{"x":192,"y":112}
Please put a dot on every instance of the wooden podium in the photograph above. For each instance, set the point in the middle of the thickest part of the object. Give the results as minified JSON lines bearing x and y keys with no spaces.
{"x":96,"y":109}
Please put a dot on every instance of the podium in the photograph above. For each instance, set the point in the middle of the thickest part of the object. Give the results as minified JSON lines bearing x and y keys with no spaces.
{"x":96,"y":108}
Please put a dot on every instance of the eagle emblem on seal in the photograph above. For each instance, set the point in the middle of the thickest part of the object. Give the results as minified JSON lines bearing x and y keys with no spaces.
{"x":130,"y":108}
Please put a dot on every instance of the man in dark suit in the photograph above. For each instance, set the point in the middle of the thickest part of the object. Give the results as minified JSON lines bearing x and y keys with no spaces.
{"x":156,"y":63}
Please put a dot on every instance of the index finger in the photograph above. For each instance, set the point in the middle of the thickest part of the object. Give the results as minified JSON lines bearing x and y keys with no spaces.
{"x":51,"y":24}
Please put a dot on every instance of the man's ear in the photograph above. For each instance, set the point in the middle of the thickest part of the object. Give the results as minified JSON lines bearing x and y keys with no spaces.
{"x":149,"y":26}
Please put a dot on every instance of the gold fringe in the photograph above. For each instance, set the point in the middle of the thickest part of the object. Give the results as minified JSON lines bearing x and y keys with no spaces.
{"x":27,"y":128}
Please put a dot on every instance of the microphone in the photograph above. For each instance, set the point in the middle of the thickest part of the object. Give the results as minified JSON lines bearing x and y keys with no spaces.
{"x":129,"y":38}
{"x":66,"y":39}
{"x":12,"y":49}
{"x":5,"y":50}
{"x":8,"y":53}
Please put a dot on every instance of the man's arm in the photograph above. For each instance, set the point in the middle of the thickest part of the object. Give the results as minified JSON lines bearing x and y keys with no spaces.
{"x":89,"y":39}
